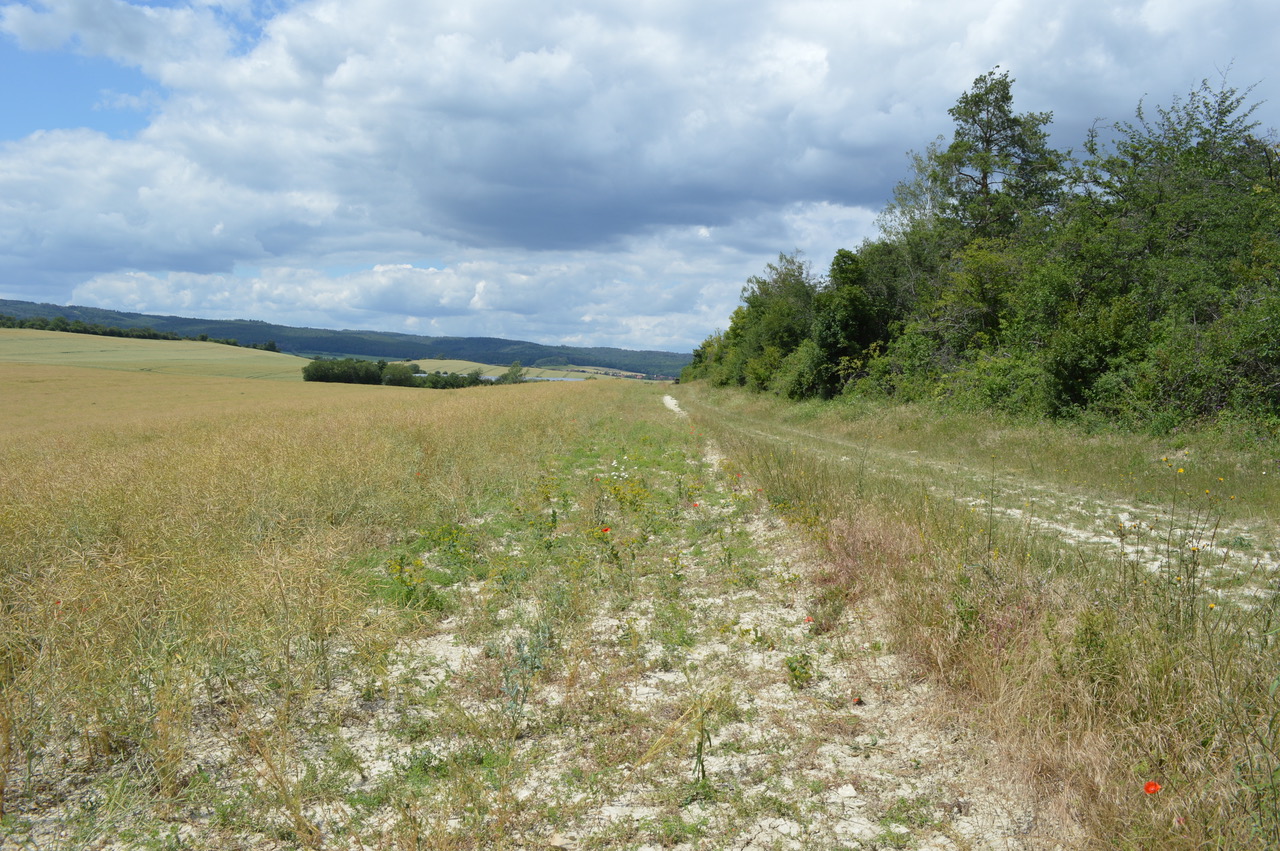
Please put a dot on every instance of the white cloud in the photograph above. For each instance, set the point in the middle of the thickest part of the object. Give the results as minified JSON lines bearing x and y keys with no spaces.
{"x":158,"y":40}
{"x":599,"y":171}
{"x":655,"y":292}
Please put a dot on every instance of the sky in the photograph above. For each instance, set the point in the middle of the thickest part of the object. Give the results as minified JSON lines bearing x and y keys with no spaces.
{"x":583,"y":173}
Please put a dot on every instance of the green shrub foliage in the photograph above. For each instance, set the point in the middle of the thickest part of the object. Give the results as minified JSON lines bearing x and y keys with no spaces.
{"x":345,"y":370}
{"x":1136,"y":284}
{"x":356,"y":371}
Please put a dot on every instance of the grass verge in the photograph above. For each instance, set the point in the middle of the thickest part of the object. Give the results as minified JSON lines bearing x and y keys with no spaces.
{"x":1131,"y":675}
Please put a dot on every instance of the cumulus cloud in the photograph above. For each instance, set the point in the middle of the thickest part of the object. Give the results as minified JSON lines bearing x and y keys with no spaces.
{"x":157,"y":40}
{"x":603,"y":172}
{"x":653,"y":294}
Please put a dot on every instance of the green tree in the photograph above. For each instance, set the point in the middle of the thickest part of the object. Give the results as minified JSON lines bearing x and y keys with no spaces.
{"x":853,"y":312}
{"x":775,"y":317}
{"x":803,"y":373}
{"x":1183,"y":196}
{"x":1169,"y":247}
{"x":918,"y":235}
{"x":344,"y":370}
{"x":400,"y":375}
{"x":779,"y":305}
{"x":971,"y":310}
{"x":999,"y":166}
{"x":1140,"y":286}
{"x":513,"y":375}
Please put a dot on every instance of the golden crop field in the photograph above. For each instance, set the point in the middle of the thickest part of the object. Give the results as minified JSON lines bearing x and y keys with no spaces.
{"x":465,"y":366}
{"x":42,"y":399}
{"x":195,"y":557}
{"x":193,"y":358}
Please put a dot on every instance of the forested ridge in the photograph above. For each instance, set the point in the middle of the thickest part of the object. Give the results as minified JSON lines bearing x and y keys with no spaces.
{"x":328,"y":343}
{"x":1136,"y":283}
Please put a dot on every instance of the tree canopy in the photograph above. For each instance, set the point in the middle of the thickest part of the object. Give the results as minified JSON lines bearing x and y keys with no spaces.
{"x":1137,"y":285}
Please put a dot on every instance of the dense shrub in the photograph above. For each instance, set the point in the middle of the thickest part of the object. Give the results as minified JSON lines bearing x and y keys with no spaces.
{"x":346,"y":370}
{"x":400,"y":375}
{"x":1138,"y":286}
{"x":804,"y":373}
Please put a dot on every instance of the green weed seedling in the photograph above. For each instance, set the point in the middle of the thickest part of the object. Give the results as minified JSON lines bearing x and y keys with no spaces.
{"x":523,"y":662}
{"x":801,"y":670}
{"x":903,"y":817}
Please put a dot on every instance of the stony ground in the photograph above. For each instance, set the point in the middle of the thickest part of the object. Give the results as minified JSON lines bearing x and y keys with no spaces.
{"x":693,"y":705}
{"x":1237,"y":559}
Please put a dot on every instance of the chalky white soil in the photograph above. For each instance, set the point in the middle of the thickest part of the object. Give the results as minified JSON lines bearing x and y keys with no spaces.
{"x":1238,"y":560}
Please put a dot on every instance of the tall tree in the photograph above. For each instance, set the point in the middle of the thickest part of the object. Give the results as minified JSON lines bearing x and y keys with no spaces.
{"x":999,"y":166}
{"x":774,"y":318}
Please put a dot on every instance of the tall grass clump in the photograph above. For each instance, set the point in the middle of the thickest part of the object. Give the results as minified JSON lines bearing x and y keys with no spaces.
{"x":1132,"y":674}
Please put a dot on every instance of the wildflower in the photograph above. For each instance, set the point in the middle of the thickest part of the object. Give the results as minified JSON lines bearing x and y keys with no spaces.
{"x":1180,"y":470}
{"x":605,"y":529}
{"x":1152,"y":787}
{"x":1213,"y":605}
{"x":808,"y":619}
{"x":695,"y":505}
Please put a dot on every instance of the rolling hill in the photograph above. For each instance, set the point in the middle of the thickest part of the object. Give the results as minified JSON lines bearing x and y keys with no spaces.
{"x":321,"y":342}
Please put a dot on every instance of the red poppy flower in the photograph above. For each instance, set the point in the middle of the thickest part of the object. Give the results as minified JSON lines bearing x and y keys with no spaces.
{"x":1152,"y":787}
{"x":605,"y":529}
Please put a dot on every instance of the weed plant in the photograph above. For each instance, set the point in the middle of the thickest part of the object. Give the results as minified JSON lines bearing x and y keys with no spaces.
{"x":1132,"y":677}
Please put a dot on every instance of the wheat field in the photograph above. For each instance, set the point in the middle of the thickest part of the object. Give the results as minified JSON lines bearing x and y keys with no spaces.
{"x":172,"y":542}
{"x":169,"y":357}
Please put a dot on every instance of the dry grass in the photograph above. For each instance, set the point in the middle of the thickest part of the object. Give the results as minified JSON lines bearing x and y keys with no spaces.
{"x":174,"y":547}
{"x":322,"y":616}
{"x":248,"y":613}
{"x":1099,"y":666}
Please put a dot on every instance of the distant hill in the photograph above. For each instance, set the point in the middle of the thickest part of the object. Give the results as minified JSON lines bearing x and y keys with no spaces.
{"x":321,"y":342}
